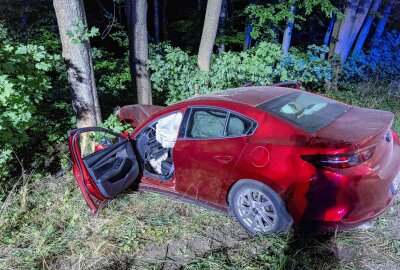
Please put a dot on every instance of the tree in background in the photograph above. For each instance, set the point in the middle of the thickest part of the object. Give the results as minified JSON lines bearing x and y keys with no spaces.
{"x":76,"y":51}
{"x":382,"y":22}
{"x":156,"y":22}
{"x":329,"y":30}
{"x":287,"y":35}
{"x":221,"y":25}
{"x":362,"y":36}
{"x":266,"y":19}
{"x":136,"y":15}
{"x":347,"y":29}
{"x":164,"y":21}
{"x":209,"y":33}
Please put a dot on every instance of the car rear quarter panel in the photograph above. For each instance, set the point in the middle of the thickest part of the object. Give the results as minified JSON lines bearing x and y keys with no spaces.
{"x":282,"y":168}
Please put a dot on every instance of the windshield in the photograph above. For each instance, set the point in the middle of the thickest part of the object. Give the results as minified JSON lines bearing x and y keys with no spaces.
{"x":305,"y":110}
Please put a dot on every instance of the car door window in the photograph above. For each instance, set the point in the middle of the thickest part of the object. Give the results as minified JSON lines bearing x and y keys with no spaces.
{"x":95,"y":141}
{"x":238,"y":126}
{"x":207,"y":123}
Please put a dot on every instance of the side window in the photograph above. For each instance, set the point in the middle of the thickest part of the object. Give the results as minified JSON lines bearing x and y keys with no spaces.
{"x":94,"y":141}
{"x":238,"y":126}
{"x":207,"y":123}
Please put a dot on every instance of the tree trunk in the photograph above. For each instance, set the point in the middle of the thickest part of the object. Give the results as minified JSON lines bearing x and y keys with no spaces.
{"x":165,"y":21}
{"x":359,"y":19}
{"x":366,"y":27}
{"x":209,"y":33}
{"x":287,"y":35}
{"x":334,"y":38}
{"x":346,"y":25}
{"x":247,"y":36}
{"x":329,"y":30}
{"x":222,"y":20}
{"x":25,"y":9}
{"x":156,"y":23}
{"x":382,"y":23}
{"x":79,"y":63}
{"x":136,"y":14}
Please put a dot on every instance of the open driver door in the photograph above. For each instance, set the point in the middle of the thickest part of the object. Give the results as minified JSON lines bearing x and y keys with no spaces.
{"x":104,"y":164}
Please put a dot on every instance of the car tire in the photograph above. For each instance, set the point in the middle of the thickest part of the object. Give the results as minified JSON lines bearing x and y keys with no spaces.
{"x":258,"y":208}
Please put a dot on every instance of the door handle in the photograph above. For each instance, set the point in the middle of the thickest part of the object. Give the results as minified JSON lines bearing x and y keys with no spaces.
{"x":224,"y":158}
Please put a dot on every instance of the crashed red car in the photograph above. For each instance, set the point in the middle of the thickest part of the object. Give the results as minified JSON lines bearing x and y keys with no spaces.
{"x":268,"y":155}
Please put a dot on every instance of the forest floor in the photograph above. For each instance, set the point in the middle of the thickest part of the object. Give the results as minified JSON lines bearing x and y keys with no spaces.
{"x":46,"y":224}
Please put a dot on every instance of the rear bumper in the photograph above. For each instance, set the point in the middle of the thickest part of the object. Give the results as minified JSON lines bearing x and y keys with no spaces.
{"x":345,"y":200}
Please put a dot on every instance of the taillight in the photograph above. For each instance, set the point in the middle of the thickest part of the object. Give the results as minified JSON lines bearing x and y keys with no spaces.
{"x":341,"y":161}
{"x":395,"y":136}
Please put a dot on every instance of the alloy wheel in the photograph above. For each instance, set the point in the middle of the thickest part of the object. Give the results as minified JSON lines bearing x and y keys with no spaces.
{"x":256,"y":210}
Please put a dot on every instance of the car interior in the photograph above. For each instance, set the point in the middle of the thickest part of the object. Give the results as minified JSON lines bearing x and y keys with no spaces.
{"x":155,"y":144}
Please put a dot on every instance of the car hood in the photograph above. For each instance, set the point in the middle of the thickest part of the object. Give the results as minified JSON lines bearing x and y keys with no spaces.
{"x":137,"y":114}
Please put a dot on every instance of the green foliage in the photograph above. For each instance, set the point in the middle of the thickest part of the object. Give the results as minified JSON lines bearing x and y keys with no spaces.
{"x":35,"y":110}
{"x":234,"y":39}
{"x":80,"y":33}
{"x":176,"y":76}
{"x":377,"y":63}
{"x":24,"y":80}
{"x":113,"y":123}
{"x":267,"y":18}
{"x":112,"y":73}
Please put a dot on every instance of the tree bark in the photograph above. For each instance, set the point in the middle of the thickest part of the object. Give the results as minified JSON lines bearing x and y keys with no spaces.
{"x":209,"y":33}
{"x":156,"y":23}
{"x":222,"y":20}
{"x":247,"y":36}
{"x":329,"y":30}
{"x":382,"y":23}
{"x":79,"y":63}
{"x":359,"y":19}
{"x":164,"y":21}
{"x":136,"y":14}
{"x":334,"y":38}
{"x":287,"y":35}
{"x":366,"y":27}
{"x":346,"y":25}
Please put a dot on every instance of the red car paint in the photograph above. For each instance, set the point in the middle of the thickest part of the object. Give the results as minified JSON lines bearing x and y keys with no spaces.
{"x":206,"y":169}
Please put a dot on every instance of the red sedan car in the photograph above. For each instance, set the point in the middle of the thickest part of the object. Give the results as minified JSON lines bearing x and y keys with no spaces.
{"x":268,"y":155}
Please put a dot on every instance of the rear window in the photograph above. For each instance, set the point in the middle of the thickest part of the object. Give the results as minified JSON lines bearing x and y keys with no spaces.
{"x":307,"y":111}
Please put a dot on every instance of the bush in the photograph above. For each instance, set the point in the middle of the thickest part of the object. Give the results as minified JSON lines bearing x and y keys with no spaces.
{"x":24,"y":80}
{"x":377,"y":63}
{"x":175,"y":73}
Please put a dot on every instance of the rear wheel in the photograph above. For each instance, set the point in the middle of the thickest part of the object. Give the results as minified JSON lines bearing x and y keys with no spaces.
{"x":258,"y":208}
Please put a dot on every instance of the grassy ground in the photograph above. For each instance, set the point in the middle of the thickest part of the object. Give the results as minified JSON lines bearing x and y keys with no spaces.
{"x":45,"y":224}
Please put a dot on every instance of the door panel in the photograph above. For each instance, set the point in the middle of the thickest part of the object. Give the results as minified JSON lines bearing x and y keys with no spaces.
{"x":207,"y":167}
{"x":104,"y":164}
{"x":211,"y":142}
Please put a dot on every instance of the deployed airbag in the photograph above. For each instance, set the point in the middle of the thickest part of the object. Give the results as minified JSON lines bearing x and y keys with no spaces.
{"x":167,"y":129}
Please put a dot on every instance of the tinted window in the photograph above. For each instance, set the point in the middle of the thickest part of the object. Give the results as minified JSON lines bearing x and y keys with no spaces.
{"x":307,"y":111}
{"x":238,"y":126}
{"x":207,"y":123}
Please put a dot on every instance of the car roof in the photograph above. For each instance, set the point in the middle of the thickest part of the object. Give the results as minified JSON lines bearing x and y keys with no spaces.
{"x":252,"y":96}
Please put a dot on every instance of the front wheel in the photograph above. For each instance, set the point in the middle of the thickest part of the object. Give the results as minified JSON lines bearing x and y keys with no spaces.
{"x":258,"y":208}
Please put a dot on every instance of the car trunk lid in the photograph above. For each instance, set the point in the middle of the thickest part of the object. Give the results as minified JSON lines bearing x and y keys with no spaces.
{"x":364,"y":128}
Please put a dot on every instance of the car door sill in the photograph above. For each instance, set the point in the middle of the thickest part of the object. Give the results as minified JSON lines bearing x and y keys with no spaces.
{"x":173,"y":194}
